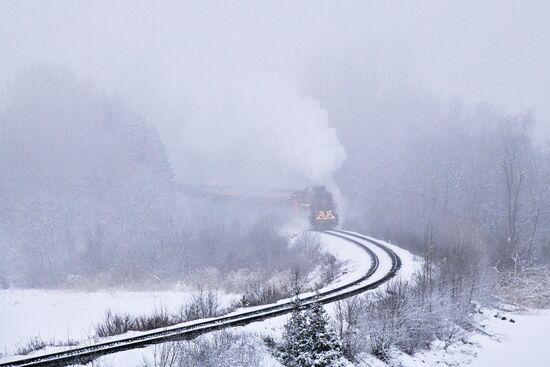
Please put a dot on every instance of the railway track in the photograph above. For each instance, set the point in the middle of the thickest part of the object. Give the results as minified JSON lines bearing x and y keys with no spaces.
{"x":373,"y":277}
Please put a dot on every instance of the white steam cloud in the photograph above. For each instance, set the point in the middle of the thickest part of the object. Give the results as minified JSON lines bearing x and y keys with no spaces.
{"x":257,"y":128}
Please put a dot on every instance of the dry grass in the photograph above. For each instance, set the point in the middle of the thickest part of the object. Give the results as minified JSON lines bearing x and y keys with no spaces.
{"x":529,"y":288}
{"x":36,"y":343}
{"x":115,"y":324}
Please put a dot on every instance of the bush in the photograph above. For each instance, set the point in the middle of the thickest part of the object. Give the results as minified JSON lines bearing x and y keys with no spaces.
{"x":30,"y":346}
{"x":527,"y":288}
{"x":330,"y":268}
{"x":220,"y":349}
{"x":435,"y":304}
{"x":384,"y":324}
{"x":203,"y":304}
{"x":257,"y":294}
{"x":160,"y":318}
{"x":36,"y":343}
{"x":346,"y":321}
{"x":114,"y":324}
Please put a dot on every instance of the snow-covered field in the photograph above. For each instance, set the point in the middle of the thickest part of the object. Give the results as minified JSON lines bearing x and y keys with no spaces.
{"x":61,"y":315}
{"x":525,"y":342}
{"x":58,"y":315}
{"x":356,"y":261}
{"x":521,"y":343}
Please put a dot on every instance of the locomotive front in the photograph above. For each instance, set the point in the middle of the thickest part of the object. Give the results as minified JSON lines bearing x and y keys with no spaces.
{"x":324,"y":213}
{"x":318,"y":201}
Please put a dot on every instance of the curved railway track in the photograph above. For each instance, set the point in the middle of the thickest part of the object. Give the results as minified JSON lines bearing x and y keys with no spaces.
{"x":189,"y":330}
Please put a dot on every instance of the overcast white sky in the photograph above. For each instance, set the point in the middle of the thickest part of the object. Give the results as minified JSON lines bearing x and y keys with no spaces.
{"x":494,"y":51}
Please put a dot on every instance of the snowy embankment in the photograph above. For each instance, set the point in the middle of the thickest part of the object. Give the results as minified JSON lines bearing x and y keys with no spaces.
{"x":60,"y":315}
{"x":501,"y":343}
{"x":524,"y":342}
{"x":356,"y":263}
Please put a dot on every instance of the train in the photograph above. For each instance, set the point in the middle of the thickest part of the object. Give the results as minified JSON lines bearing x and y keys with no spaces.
{"x":316,"y":201}
{"x":323,"y":211}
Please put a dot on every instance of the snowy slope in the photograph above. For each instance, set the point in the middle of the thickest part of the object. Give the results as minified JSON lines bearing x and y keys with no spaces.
{"x":59,"y":315}
{"x":525,"y":342}
{"x":522,"y":343}
{"x":357,"y":262}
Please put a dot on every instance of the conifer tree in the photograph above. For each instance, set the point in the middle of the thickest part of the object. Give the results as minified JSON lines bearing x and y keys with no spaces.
{"x":322,"y":341}
{"x":308,"y":339}
{"x":294,"y":343}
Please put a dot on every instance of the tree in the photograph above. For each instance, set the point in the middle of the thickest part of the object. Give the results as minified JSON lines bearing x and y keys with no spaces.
{"x":346,"y":322}
{"x":309,"y":340}
{"x":325,"y":347}
{"x":294,"y":344}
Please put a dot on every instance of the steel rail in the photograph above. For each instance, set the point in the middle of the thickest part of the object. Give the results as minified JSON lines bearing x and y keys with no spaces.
{"x":396,"y":260}
{"x":193,"y":329}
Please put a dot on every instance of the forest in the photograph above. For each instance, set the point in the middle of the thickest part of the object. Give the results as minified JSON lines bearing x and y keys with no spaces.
{"x":88,"y":190}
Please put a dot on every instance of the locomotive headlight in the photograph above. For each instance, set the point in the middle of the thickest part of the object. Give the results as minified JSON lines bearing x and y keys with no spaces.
{"x":325,"y":215}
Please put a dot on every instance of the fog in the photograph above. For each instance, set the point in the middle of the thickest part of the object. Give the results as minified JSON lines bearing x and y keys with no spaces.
{"x":418,"y":116}
{"x":222,"y":79}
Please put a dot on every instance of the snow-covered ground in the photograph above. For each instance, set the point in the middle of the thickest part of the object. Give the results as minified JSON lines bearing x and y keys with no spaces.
{"x":525,"y":342}
{"x":502,"y":343}
{"x":60,"y":315}
{"x":356,"y":263}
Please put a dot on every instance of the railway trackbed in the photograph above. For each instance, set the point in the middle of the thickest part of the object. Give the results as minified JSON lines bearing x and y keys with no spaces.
{"x":374,"y":276}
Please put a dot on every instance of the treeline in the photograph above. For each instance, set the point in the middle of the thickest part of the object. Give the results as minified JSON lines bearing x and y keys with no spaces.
{"x":87,"y":198}
{"x":420,"y":170}
{"x":464,"y":187}
{"x":85,"y":184}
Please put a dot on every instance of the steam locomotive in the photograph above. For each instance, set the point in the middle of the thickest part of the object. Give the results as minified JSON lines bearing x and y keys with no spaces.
{"x":315,"y":200}
{"x":323,"y":209}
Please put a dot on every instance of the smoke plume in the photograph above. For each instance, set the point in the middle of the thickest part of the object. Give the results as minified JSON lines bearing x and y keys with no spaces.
{"x":257,"y":128}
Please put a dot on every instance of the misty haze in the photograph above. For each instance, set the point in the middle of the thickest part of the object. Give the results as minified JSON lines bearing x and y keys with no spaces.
{"x":280,"y":184}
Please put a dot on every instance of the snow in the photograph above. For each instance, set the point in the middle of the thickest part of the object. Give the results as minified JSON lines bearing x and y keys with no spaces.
{"x":524,"y":342}
{"x":135,"y":357}
{"x":357,"y":262}
{"x":132,"y":357}
{"x":60,"y":315}
{"x":409,"y":262}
